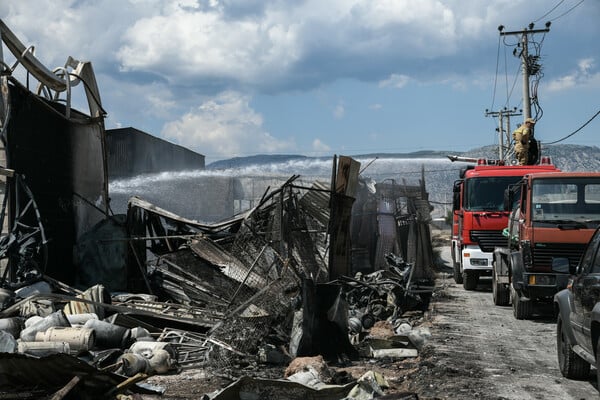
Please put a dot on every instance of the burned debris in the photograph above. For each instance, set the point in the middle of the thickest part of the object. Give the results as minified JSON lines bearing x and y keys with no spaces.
{"x":253,"y":289}
{"x":92,"y":303}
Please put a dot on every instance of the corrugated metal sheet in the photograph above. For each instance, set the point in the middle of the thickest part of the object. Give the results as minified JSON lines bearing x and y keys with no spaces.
{"x":386,"y":231}
{"x":232,"y":267}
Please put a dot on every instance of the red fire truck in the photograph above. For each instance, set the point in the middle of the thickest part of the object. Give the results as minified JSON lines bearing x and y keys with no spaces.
{"x":479,"y":216}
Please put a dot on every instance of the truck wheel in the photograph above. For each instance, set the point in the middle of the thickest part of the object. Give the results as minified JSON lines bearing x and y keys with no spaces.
{"x":522,"y":309}
{"x":470,"y":280}
{"x":570,"y":364}
{"x":500,"y":292}
{"x":458,"y":278}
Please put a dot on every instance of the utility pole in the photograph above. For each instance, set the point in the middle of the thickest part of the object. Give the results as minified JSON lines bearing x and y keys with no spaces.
{"x":525,"y":61}
{"x":503,"y":114}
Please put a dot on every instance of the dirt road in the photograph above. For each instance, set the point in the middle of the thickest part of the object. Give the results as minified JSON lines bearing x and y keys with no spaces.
{"x":481,"y":351}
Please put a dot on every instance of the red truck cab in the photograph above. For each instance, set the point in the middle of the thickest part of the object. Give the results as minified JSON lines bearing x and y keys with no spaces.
{"x":557,"y":214}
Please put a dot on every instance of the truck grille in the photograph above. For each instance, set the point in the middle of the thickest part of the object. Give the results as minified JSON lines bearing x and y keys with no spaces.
{"x":544,"y":252}
{"x":488,"y":240}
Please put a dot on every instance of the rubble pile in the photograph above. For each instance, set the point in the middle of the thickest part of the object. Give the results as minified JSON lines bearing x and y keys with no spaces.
{"x":244,"y":292}
{"x":92,"y":304}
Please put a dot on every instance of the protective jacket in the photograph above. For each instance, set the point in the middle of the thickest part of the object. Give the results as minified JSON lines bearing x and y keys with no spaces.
{"x":521,"y":135}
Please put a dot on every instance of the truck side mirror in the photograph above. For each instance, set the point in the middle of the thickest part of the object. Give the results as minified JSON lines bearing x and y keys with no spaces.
{"x":561,"y":265}
{"x":455,"y":201}
{"x":511,"y":193}
{"x":508,"y":199}
{"x":456,"y":195}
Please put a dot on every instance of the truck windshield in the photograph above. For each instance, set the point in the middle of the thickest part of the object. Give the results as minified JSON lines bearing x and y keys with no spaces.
{"x":487,"y":193}
{"x":566,"y":200}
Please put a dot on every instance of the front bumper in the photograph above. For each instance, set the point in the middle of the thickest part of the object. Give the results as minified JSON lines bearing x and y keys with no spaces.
{"x":475,"y":259}
{"x":539,"y":286}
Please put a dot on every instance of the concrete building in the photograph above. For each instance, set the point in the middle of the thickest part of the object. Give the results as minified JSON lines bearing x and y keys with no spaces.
{"x":132,"y":152}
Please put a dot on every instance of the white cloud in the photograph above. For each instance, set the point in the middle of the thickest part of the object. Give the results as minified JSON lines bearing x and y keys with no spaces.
{"x":562,"y":83}
{"x":266,"y":44}
{"x":429,"y":18}
{"x":375,"y":107}
{"x":582,"y":76}
{"x":204,"y":44}
{"x":585,"y":65}
{"x":225,"y":126}
{"x":88,"y":31}
{"x":147,"y":102}
{"x":396,"y":81}
{"x":319,"y":146}
{"x":165,"y":58}
{"x":339,"y":111}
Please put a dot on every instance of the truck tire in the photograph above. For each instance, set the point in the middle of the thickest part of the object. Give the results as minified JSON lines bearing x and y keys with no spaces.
{"x":458,"y":278}
{"x":570,"y":364}
{"x":470,"y":280}
{"x":456,"y":266}
{"x":500,"y":292}
{"x":522,"y":309}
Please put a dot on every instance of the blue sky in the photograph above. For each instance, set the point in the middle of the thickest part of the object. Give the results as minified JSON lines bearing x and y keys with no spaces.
{"x":233,"y":78}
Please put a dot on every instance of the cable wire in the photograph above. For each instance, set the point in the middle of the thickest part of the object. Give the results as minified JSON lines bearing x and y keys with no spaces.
{"x":568,"y":11}
{"x":509,"y":94}
{"x":552,"y":9}
{"x":578,"y":129}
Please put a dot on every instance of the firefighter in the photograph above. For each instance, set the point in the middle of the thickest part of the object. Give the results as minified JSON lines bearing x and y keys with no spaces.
{"x":521,"y":136}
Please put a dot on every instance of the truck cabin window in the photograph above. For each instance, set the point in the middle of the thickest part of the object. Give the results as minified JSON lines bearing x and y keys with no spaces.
{"x":487,"y":193}
{"x":566,"y":200}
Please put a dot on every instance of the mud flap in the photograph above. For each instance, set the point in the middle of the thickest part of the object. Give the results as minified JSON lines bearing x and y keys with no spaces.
{"x":500,"y":268}
{"x":517,"y":269}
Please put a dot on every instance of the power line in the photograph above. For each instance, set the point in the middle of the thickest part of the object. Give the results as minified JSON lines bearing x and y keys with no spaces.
{"x":509,"y":93}
{"x":552,"y":9}
{"x":568,"y":11}
{"x":578,"y":129}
